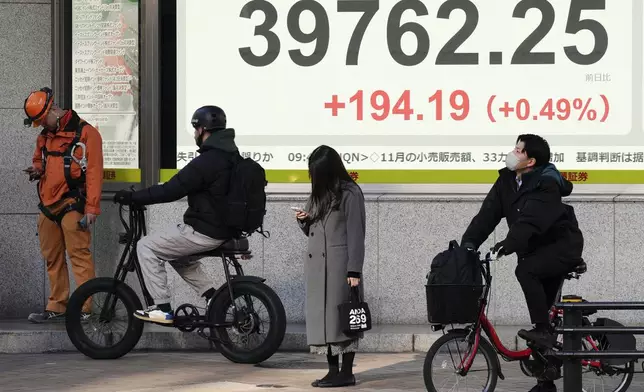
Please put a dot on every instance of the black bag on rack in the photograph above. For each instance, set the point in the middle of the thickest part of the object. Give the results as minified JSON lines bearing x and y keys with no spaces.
{"x":355,"y":315}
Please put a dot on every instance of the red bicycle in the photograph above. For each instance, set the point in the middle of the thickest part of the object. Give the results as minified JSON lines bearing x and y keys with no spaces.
{"x":446,"y":352}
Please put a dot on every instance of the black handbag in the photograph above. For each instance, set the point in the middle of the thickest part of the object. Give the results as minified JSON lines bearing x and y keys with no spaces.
{"x":355,"y":315}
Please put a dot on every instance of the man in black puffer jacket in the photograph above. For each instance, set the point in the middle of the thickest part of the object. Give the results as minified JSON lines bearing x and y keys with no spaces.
{"x":205,"y":180}
{"x":543,"y":231}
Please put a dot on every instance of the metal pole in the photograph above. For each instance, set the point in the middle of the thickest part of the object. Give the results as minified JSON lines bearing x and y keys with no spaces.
{"x":572,"y":342}
{"x":150,"y":90}
{"x":61,"y":54}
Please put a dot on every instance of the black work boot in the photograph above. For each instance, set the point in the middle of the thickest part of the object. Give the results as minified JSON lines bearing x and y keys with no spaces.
{"x":540,"y":336}
{"x":544,"y":386}
{"x":46,"y":316}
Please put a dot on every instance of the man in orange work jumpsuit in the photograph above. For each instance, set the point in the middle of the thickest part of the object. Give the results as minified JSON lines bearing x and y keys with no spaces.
{"x":68,"y":164}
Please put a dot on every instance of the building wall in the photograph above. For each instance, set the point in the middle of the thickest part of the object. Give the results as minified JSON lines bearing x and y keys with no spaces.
{"x":25,"y":64}
{"x":404,"y":232}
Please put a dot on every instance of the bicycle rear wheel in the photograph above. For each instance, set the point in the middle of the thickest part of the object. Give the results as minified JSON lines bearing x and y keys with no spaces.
{"x":601,"y":375}
{"x":261,"y":323}
{"x":605,"y":375}
{"x":444,"y":359}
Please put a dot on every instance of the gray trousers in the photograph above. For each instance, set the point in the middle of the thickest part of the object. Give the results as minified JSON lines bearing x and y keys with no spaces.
{"x":176,"y":246}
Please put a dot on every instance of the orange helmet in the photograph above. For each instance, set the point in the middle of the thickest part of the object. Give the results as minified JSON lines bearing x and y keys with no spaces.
{"x":37,"y":105}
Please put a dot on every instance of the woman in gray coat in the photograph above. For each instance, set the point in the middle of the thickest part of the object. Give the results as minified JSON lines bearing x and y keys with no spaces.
{"x":334,"y":222}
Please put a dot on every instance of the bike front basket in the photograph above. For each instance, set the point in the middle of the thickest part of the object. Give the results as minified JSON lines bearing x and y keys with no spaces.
{"x":453,"y":303}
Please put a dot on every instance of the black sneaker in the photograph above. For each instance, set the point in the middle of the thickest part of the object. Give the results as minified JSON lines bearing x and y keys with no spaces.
{"x":46,"y":316}
{"x":541,"y":338}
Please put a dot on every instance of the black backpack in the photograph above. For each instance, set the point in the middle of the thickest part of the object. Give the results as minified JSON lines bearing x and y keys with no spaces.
{"x":455,"y":266}
{"x":454,"y":286}
{"x":246,"y":196}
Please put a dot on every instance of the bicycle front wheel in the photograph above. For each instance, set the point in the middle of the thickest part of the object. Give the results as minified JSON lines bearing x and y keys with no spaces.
{"x":444,"y":359}
{"x":111,"y":330}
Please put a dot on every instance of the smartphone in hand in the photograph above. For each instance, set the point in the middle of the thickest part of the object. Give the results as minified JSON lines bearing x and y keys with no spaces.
{"x":33,"y":173}
{"x":83,"y":223}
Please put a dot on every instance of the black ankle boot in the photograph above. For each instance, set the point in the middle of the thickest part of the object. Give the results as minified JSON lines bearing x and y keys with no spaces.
{"x":347,"y":363}
{"x":345,"y":377}
{"x":333,"y":372}
{"x":340,"y":380}
{"x":334,"y":369}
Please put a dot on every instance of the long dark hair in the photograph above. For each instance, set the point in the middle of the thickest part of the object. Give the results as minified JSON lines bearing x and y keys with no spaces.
{"x":327,"y":173}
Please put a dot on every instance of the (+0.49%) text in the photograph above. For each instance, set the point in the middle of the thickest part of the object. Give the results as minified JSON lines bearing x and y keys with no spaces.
{"x":456,"y":105}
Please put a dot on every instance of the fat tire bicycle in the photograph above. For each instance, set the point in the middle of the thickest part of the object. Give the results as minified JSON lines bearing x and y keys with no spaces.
{"x":213,"y":325}
{"x":534,"y":361}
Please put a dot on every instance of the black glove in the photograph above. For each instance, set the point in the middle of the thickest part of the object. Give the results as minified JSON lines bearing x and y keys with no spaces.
{"x":123,"y":197}
{"x":500,"y":249}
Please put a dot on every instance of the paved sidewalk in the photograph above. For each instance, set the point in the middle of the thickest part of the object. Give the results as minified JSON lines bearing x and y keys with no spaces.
{"x":22,"y":337}
{"x":204,"y":371}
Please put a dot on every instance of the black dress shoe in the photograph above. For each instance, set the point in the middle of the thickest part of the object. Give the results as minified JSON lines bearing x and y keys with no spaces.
{"x":340,"y":380}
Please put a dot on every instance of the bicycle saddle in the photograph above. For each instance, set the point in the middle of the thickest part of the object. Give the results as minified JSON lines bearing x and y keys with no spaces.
{"x":235,"y":245}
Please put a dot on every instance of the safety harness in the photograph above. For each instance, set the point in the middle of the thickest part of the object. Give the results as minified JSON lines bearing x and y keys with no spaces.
{"x":76,"y":185}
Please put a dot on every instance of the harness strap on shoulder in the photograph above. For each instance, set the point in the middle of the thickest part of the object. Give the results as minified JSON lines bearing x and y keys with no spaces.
{"x":68,"y":158}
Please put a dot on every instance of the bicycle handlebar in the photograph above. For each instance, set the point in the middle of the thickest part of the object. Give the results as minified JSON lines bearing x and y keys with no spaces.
{"x":136,"y":217}
{"x":491,"y":256}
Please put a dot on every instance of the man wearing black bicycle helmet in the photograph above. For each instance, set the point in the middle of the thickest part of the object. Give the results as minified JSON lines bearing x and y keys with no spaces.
{"x":205,"y":181}
{"x":543,"y":231}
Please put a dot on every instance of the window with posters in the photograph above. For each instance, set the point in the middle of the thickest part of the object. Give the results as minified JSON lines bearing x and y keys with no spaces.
{"x":417,"y":91}
{"x":105,"y":79}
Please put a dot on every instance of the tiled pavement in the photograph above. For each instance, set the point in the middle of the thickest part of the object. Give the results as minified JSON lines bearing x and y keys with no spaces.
{"x":204,"y":371}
